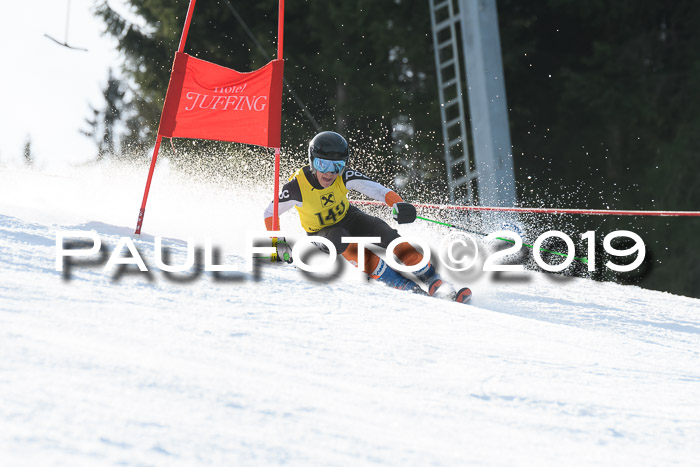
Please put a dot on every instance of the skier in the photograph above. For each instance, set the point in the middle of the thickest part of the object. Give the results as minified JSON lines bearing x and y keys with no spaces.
{"x":319,"y":192}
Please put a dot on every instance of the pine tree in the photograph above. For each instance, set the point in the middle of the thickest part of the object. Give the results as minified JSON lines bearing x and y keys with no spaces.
{"x":27,"y":153}
{"x":102,"y":122}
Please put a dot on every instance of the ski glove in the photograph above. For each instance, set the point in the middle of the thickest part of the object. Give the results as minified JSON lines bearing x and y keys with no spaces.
{"x":283,"y":250}
{"x":404,"y":213}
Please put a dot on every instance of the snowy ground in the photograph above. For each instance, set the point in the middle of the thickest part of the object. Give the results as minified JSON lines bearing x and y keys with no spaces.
{"x":150,"y":370}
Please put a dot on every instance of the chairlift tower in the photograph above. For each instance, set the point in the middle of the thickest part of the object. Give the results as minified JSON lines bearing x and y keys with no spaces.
{"x":466,"y":41}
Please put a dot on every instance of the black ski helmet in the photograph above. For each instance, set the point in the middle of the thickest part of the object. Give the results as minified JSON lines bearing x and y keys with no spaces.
{"x":328,"y":145}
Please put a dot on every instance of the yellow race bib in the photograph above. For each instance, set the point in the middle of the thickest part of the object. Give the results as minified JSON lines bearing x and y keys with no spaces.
{"x":321,"y":208}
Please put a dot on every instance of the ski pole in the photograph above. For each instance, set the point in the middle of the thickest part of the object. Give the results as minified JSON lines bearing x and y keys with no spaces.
{"x":459,"y":227}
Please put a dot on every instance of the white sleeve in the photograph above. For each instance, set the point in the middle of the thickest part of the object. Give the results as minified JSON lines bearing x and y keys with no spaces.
{"x":355,"y":180}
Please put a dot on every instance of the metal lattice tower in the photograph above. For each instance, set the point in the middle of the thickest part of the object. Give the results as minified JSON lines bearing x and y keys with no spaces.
{"x":445,"y":21}
{"x":466,"y":37}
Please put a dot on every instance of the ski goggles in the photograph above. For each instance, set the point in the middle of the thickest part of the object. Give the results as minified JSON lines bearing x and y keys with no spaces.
{"x":327,"y":166}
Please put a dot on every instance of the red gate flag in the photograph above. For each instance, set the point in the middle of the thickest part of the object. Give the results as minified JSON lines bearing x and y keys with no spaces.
{"x":208,"y":101}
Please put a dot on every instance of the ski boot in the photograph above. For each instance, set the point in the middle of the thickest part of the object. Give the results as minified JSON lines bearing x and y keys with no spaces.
{"x":463,"y":295}
{"x":441,"y":289}
{"x":383,"y":273}
{"x":428,"y":276}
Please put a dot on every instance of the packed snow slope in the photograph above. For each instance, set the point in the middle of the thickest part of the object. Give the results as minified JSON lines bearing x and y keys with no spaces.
{"x":274,"y":367}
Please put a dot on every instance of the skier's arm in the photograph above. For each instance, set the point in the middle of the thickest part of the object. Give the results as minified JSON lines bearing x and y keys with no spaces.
{"x":357,"y":181}
{"x":402,"y":212}
{"x":290,"y":196}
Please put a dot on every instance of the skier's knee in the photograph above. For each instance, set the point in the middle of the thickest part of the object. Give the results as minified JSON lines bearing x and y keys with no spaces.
{"x":407,"y":254}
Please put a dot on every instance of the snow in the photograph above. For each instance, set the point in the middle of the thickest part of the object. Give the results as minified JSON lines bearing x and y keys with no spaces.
{"x":274,"y":367}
